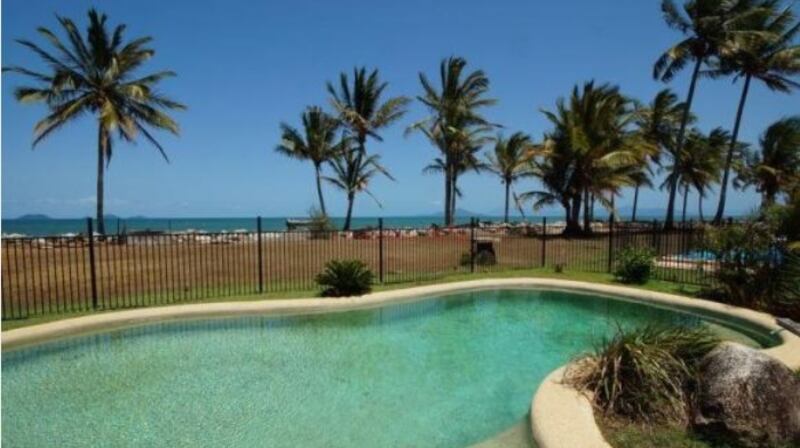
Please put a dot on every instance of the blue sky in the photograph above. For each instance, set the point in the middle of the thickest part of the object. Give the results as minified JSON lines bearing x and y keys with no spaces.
{"x":245,"y":66}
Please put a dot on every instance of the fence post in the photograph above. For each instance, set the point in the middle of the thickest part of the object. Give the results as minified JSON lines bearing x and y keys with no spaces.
{"x":544,"y":241}
{"x":654,"y":241}
{"x":260,"y":257}
{"x":610,"y":241}
{"x":472,"y":245}
{"x":92,"y":265}
{"x":380,"y":250}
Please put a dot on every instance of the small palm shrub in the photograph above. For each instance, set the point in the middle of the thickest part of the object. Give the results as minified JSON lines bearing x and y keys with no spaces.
{"x":342,"y":278}
{"x":644,"y":374}
{"x":634,"y":265}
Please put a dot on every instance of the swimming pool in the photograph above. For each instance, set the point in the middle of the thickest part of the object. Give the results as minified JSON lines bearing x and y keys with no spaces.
{"x":445,"y":371}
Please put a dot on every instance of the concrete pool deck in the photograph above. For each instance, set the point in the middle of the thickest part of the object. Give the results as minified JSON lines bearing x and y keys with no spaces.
{"x":560,"y":416}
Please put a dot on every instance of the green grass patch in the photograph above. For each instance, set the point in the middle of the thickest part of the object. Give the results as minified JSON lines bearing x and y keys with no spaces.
{"x":591,"y":277}
{"x":625,"y":434}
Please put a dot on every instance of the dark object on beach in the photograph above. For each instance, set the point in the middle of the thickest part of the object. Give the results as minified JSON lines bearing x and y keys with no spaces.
{"x":299,"y":224}
{"x":344,"y":278}
{"x":747,"y":398}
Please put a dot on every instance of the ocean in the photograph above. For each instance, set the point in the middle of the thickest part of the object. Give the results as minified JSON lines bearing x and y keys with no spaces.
{"x":53,"y":226}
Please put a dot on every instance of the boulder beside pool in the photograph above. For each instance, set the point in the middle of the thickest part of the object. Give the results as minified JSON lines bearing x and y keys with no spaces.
{"x":747,"y":398}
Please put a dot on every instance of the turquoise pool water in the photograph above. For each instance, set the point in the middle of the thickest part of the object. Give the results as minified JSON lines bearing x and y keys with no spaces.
{"x":443,"y":372}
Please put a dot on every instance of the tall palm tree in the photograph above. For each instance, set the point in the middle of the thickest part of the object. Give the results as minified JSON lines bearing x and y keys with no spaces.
{"x":708,"y":27}
{"x":315,"y":144}
{"x":97,"y":74}
{"x":776,"y":169}
{"x":772,"y":58}
{"x":509,"y":160}
{"x":353,"y":172}
{"x":658,"y":122}
{"x":455,"y":120}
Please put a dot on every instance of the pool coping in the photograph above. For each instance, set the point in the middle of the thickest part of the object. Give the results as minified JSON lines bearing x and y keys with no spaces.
{"x":560,"y":416}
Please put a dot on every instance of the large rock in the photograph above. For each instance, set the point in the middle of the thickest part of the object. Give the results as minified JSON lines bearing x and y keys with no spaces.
{"x":747,"y":398}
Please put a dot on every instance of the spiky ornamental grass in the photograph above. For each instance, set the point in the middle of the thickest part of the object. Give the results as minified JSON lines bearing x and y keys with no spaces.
{"x":644,"y":374}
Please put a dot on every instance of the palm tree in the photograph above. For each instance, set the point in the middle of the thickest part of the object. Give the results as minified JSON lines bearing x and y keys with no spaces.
{"x":96,"y":74}
{"x":316,"y":144}
{"x":466,"y":159}
{"x":709,"y":26}
{"x":593,"y":147}
{"x":658,"y":123}
{"x":698,"y":167}
{"x":353,"y":172}
{"x":455,"y":120}
{"x":772,"y":59}
{"x":509,"y":160}
{"x":776,"y":170}
{"x":360,"y":108}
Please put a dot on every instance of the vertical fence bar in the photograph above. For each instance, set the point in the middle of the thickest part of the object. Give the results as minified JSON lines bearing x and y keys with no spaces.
{"x":260,"y":257}
{"x":610,"y":241}
{"x":472,"y":245}
{"x":380,"y":250}
{"x":92,"y":267}
{"x":544,"y":241}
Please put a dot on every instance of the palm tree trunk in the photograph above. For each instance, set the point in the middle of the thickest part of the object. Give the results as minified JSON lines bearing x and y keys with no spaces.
{"x":723,"y":187}
{"x":448,"y":181}
{"x":685,"y":198}
{"x":574,"y":221}
{"x":102,"y":141}
{"x":453,"y":195}
{"x":319,"y":190}
{"x":673,"y":191}
{"x":508,"y":193}
{"x":700,"y":206}
{"x":350,"y":199}
{"x":587,"y":220}
{"x":668,"y":221}
{"x":635,"y":202}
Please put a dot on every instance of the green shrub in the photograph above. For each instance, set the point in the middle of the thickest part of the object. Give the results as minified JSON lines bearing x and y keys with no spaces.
{"x":482,"y":258}
{"x":644,"y":374}
{"x":321,"y":226}
{"x":634,"y":265}
{"x":755,"y":269}
{"x":342,"y":278}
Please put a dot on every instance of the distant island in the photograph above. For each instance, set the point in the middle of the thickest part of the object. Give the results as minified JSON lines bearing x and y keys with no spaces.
{"x":33,"y":216}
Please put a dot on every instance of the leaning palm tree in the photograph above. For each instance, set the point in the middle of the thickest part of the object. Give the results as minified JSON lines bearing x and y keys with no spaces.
{"x":353,"y":172}
{"x":772,"y":58}
{"x":509,"y":160}
{"x":708,"y":26}
{"x":658,"y":122}
{"x":455,"y":119}
{"x":360,"y":105}
{"x":776,"y":169}
{"x":315,"y":144}
{"x":97,"y":74}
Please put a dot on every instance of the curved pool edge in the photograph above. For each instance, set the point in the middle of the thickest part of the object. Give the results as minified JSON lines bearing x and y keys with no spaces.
{"x":560,"y":416}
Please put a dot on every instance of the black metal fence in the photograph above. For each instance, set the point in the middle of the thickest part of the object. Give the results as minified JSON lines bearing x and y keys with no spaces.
{"x":43,"y":275}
